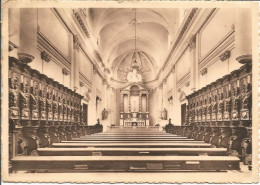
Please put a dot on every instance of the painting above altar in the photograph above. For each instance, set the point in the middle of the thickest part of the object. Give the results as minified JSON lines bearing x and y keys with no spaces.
{"x":134,"y":106}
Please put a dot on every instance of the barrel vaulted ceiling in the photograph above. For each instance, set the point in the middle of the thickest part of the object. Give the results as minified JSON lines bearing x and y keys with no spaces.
{"x":114,"y":33}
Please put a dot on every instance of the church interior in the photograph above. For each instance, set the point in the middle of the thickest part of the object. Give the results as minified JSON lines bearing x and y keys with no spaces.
{"x":130,"y":90}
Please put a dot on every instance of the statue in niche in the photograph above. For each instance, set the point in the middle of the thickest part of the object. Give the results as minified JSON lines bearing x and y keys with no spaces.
{"x":104,"y":114}
{"x":23,"y":101}
{"x":247,"y":100}
{"x":25,"y":86}
{"x":236,"y":101}
{"x":33,"y":103}
{"x":49,"y":106}
{"x":14,"y":83}
{"x":13,"y":99}
{"x":228,"y":105}
{"x":42,"y":104}
{"x":55,"y":107}
{"x":60,"y":108}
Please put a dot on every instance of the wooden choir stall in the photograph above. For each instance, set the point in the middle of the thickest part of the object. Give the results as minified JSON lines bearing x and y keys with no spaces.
{"x":41,"y":111}
{"x":221,"y":114}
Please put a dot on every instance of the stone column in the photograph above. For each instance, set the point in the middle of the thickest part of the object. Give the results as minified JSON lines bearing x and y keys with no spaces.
{"x":160,"y":103}
{"x":113,"y":106}
{"x":174,"y":95}
{"x":129,"y":102}
{"x":122,"y":102}
{"x":93,"y":98}
{"x":140,"y":102}
{"x":14,"y":31}
{"x":194,"y":63}
{"x":28,"y":34}
{"x":147,"y":99}
{"x":75,"y":64}
{"x":104,"y":95}
{"x":243,"y":35}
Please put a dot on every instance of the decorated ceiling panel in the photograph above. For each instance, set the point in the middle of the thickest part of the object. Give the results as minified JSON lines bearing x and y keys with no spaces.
{"x":121,"y":33}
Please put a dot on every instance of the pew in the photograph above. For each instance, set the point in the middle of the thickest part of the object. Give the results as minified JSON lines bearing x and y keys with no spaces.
{"x":131,"y":139}
{"x":131,"y":151}
{"x":119,"y":141}
{"x":93,"y":136}
{"x":38,"y":164}
{"x":166,"y":145}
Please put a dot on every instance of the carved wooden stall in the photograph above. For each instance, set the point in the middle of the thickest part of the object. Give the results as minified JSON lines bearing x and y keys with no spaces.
{"x":221,"y":114}
{"x":41,"y":111}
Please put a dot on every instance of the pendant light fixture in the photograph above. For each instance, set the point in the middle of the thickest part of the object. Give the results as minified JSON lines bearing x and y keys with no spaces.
{"x":134,"y":63}
{"x":134,"y":75}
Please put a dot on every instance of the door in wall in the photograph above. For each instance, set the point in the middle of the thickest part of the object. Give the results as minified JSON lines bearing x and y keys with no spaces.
{"x":183,"y":113}
{"x":85,"y":113}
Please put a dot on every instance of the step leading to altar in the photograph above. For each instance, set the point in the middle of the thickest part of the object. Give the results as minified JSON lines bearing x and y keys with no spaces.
{"x":133,"y":128}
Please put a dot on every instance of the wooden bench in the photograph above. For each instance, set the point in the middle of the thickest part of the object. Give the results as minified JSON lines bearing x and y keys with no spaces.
{"x":119,"y":141}
{"x":139,"y":137}
{"x":131,"y":139}
{"x":131,"y":151}
{"x":142,"y":135}
{"x":123,"y":163}
{"x":133,"y":145}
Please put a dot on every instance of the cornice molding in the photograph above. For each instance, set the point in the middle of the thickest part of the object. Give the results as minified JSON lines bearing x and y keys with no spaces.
{"x":183,"y":80}
{"x":45,"y":44}
{"x":181,"y":33}
{"x":227,"y":43}
{"x":82,"y":22}
{"x":85,"y":80}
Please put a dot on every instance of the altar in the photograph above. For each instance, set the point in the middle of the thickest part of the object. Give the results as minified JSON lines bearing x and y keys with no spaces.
{"x":134,"y":106}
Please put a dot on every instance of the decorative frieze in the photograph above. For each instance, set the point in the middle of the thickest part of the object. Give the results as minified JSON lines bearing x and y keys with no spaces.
{"x":82,"y":21}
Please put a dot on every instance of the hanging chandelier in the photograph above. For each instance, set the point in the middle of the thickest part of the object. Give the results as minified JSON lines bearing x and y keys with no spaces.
{"x":134,"y":75}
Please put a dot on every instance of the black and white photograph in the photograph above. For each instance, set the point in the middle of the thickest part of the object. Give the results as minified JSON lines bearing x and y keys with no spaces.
{"x":144,"y":92}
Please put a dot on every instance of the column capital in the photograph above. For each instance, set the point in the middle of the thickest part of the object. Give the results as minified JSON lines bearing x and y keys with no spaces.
{"x":65,"y":71}
{"x":81,"y":84}
{"x":192,"y":41}
{"x":76,"y":42}
{"x":94,"y":69}
{"x":173,"y":69}
{"x":204,"y":71}
{"x":45,"y":56}
{"x":164,"y":81}
{"x":224,"y":56}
